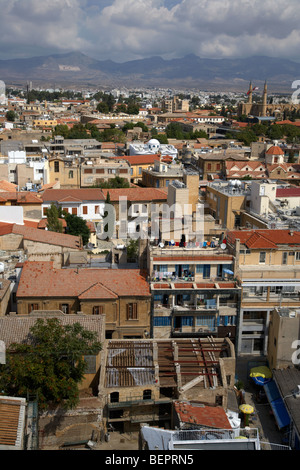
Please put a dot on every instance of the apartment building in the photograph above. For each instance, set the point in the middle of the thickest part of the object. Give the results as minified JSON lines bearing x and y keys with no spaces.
{"x":138,"y":163}
{"x":133,"y":208}
{"x":211,"y":164}
{"x":98,"y":170}
{"x":267,"y":266}
{"x":194,"y":290}
{"x":226,"y":202}
{"x":161,"y":174}
{"x":283,"y":346}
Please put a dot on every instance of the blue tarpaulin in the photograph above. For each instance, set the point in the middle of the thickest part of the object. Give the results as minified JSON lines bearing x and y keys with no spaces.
{"x":277,"y":404}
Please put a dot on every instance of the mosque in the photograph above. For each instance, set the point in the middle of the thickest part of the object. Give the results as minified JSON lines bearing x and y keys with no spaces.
{"x":264,"y":109}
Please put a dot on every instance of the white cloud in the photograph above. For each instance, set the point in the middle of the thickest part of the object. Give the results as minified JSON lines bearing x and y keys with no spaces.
{"x":128,"y":29}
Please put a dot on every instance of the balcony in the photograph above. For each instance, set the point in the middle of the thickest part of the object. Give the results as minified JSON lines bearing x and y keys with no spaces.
{"x":194,"y":330}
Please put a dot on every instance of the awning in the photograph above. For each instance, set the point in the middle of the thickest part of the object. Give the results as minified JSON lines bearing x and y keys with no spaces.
{"x":277,"y":404}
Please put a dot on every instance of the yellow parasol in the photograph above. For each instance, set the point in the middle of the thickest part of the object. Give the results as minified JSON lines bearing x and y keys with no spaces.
{"x":247,"y":409}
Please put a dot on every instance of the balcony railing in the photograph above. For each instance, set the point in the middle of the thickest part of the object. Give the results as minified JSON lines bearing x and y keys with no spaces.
{"x":185,"y":329}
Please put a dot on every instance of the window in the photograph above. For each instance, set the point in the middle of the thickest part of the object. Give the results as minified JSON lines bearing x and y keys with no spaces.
{"x":262,"y":257}
{"x":90,"y":363}
{"x":98,"y":310}
{"x":140,"y":170}
{"x":297,"y":255}
{"x":147,"y":395}
{"x":284,"y":257}
{"x":74,"y":210}
{"x":96,"y":209}
{"x":84,"y":210}
{"x":65,"y":308}
{"x":32,"y":307}
{"x":71,"y":174}
{"x":114,"y":397}
{"x":131,"y":313}
{"x":56,"y":166}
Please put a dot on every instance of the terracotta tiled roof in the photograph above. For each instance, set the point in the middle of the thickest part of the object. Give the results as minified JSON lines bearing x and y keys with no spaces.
{"x":257,"y":239}
{"x":89,"y":194}
{"x":42,"y":224}
{"x":136,"y":194}
{"x":274,"y":150}
{"x":6,"y":186}
{"x":15,"y":329}
{"x":42,"y":236}
{"x":242,"y":165}
{"x":142,"y":159}
{"x":22,"y":197}
{"x":97,"y":291}
{"x":40,"y":279}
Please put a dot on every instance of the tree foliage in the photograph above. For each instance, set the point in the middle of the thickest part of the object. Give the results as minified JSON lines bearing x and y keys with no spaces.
{"x":174,"y":131}
{"x":116,"y":182}
{"x":51,"y":366}
{"x":77,"y":226}
{"x":54,"y":223}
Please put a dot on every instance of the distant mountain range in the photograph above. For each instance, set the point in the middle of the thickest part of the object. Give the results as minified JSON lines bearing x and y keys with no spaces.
{"x":190,"y":71}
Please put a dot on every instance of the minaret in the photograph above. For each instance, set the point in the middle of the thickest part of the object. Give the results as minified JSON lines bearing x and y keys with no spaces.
{"x":250,"y":93}
{"x":264,"y":101}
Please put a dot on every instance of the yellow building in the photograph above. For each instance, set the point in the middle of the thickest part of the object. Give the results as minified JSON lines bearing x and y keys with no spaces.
{"x":64,"y":170}
{"x":226,"y":203}
{"x":138,"y":163}
{"x":122,"y":295}
{"x":44,"y":123}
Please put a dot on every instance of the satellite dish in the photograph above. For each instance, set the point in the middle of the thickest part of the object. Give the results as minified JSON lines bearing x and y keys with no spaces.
{"x":223,"y":246}
{"x":161,"y":244}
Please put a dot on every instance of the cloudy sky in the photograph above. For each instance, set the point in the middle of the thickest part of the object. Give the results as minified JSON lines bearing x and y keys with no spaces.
{"x":124,"y":30}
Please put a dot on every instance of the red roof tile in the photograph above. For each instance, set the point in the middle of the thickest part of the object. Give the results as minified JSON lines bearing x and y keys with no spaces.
{"x":41,"y":236}
{"x":274,"y":150}
{"x":141,"y":159}
{"x":264,"y":238}
{"x":40,"y":279}
{"x":136,"y":194}
{"x":89,"y":194}
{"x":207,"y":416}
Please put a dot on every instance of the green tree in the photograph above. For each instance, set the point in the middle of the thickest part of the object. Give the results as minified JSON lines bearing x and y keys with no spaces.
{"x":102,"y":107}
{"x":11,"y":116}
{"x":77,"y":226}
{"x":116,"y":182}
{"x":51,"y":365}
{"x":162,"y":138}
{"x":132,"y":249}
{"x":53,"y":215}
{"x":61,"y":129}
